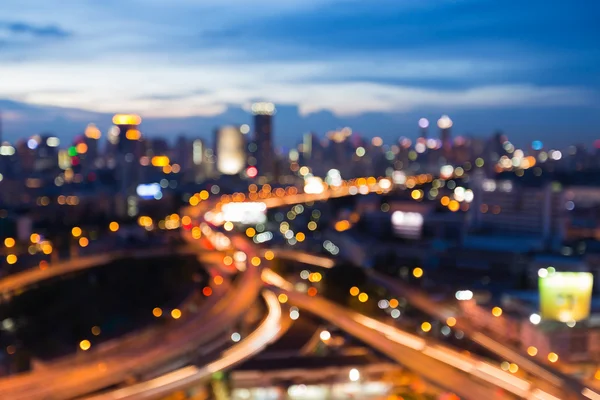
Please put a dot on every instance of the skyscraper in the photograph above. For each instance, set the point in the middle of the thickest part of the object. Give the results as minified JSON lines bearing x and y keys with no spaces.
{"x":263,"y":131}
{"x":128,"y":153}
{"x":230,"y":150}
{"x":423,"y":125}
{"x":445,"y":123}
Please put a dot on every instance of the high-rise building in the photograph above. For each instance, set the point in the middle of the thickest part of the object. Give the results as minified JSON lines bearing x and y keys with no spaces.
{"x":263,"y":131}
{"x":230,"y":150}
{"x":92,"y":136}
{"x":129,"y":149}
{"x":445,"y":123}
{"x":423,"y":125}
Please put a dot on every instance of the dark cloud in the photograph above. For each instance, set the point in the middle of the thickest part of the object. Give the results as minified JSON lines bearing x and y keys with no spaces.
{"x":47,"y":31}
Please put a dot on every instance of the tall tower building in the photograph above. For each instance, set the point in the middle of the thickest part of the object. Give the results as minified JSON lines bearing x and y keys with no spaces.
{"x":263,"y":131}
{"x":128,"y":153}
{"x":230,"y":150}
{"x":423,"y":125}
{"x":92,"y":136}
{"x":445,"y":123}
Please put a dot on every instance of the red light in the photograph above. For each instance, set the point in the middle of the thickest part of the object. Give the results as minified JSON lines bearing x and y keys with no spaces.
{"x":74,"y":160}
{"x":207,"y":291}
{"x":252,"y":172}
{"x":312,"y":292}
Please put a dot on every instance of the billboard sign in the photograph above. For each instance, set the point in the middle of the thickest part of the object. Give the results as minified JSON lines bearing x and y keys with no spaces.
{"x":566,"y":296}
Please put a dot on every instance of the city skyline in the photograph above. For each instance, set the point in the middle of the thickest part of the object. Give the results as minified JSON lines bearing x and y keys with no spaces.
{"x":527,"y":69}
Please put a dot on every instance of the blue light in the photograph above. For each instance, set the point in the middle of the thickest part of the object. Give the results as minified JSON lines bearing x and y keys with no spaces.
{"x":149,"y":191}
{"x":537,"y":145}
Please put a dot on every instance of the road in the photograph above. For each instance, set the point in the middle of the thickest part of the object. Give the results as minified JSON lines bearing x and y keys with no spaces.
{"x":178,"y":342}
{"x":431,"y":369}
{"x":183,"y":378}
{"x":19,"y":281}
{"x":549,"y":378}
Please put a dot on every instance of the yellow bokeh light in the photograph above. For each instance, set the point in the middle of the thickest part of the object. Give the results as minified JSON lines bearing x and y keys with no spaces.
{"x":9,"y":242}
{"x":269,"y":255}
{"x":176,"y":313}
{"x":76,"y":231}
{"x":46,"y":248}
{"x":418,"y":272}
{"x":160,"y":161}
{"x":186,"y":220}
{"x":127,"y":119}
{"x":342,"y":226}
{"x":354,"y":291}
{"x":451,"y":321}
{"x":83,"y":242}
{"x":204,"y":195}
{"x":300,"y":236}
{"x":513,"y":368}
{"x":250,"y":232}
{"x":416,"y":194}
{"x":394,"y":303}
{"x":196,"y":232}
{"x":255,"y":261}
{"x":81,"y":148}
{"x":133,"y":134}
{"x":11,"y":259}
{"x":454,"y":206}
{"x":85,"y":345}
{"x":96,"y":330}
{"x":312,"y":225}
{"x":425,"y":326}
{"x":496,"y":311}
{"x":363,"y":297}
{"x":553,"y":357}
{"x":445,"y":201}
{"x":113,"y":226}
{"x":532,"y":351}
{"x":194,"y":201}
{"x":283,"y":298}
{"x":228,"y":226}
{"x":35,"y":238}
{"x":227,"y":260}
{"x":157,"y":312}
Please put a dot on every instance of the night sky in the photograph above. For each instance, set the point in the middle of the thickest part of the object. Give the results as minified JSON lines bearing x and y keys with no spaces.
{"x":530,"y":68}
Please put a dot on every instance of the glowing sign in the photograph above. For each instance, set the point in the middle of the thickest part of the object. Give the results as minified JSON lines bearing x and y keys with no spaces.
{"x":245,"y":213}
{"x":407,"y":224}
{"x":230,"y":151}
{"x":566,"y":296}
{"x":263,"y":108}
{"x":53,"y":141}
{"x":149,"y":191}
{"x":127,"y":119}
{"x":160,"y":161}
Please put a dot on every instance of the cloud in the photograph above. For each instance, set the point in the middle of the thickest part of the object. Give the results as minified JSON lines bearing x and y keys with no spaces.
{"x":21,"y":29}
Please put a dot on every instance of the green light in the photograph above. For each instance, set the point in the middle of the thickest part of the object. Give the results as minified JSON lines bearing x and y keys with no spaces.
{"x":72,"y":151}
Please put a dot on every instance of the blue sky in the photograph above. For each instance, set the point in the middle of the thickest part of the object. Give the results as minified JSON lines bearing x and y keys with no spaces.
{"x":530,"y":68}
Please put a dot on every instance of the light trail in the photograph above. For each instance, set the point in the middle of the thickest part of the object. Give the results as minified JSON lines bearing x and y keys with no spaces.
{"x":188,"y":376}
